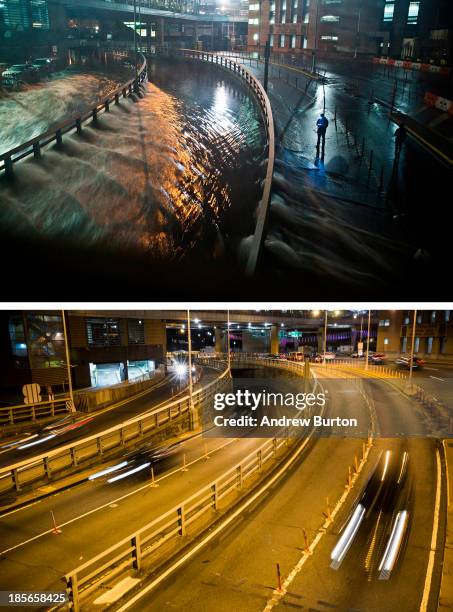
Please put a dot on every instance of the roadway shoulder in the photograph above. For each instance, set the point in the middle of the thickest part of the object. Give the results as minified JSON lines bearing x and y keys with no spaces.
{"x":446,"y":589}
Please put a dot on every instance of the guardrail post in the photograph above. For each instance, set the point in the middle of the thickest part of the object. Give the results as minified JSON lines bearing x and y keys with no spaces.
{"x":36,"y":149}
{"x":95,"y":115}
{"x":72,"y":588}
{"x":214,"y":496}
{"x":99,"y":446}
{"x":124,"y":93}
{"x":11,"y":416}
{"x":107,"y":106}
{"x":122,"y":436}
{"x":137,"y":552}
{"x":117,"y":98}
{"x":74,"y":460}
{"x":59,"y":138}
{"x":181,"y":521}
{"x":33,"y":412}
{"x":78,"y":123}
{"x":15,"y":479}
{"x":47,"y":469}
{"x":239,"y":478}
{"x":260,"y":460}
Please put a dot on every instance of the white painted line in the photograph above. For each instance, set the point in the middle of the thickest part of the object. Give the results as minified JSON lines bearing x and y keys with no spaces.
{"x":432,"y":552}
{"x":433,"y":369}
{"x":437,"y":378}
{"x":118,"y":591}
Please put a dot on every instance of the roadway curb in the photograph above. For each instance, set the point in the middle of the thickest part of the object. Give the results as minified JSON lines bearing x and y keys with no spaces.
{"x":445,"y":600}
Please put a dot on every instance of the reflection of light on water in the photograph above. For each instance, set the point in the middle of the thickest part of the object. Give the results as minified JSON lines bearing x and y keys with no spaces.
{"x":220,"y":99}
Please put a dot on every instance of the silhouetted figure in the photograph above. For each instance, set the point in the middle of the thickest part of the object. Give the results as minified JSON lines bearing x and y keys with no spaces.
{"x":400,"y":137}
{"x":321,"y":124}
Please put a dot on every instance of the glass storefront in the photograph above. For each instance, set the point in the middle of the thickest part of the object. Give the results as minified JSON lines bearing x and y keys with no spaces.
{"x":138,"y":369}
{"x":105,"y":374}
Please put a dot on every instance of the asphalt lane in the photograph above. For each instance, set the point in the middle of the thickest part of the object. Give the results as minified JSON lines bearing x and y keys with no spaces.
{"x":163,"y":392}
{"x":238,"y":571}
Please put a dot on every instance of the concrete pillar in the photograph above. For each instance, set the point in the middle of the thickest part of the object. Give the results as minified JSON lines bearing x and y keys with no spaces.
{"x":220,"y":341}
{"x":162,"y":31}
{"x":156,"y":334}
{"x":275,"y":344}
{"x":321,"y":339}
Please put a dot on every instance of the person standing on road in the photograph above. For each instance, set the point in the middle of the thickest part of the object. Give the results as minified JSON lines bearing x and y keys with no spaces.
{"x":400,"y":137}
{"x":321,"y":124}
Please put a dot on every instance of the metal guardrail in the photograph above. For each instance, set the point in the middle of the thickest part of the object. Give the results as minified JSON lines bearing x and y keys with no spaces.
{"x":130,"y":551}
{"x":79,"y":451}
{"x":10,"y":415}
{"x":34,"y":145}
{"x":263,"y":100}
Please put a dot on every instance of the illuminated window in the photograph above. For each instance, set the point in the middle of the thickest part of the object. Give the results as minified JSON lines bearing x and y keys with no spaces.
{"x":330,"y":18}
{"x":412,"y":15}
{"x":254,"y":21}
{"x":306,"y":17}
{"x":389,"y":9}
{"x":254,"y":7}
{"x":255,"y":36}
{"x":271,"y":40}
{"x":282,"y":40}
{"x":386,"y":341}
{"x":293,"y":41}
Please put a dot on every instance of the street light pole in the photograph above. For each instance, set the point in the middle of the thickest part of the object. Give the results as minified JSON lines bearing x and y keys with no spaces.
{"x":315,"y":47}
{"x":412,"y":348}
{"x":368,"y":340}
{"x":68,"y":363}
{"x":325,"y":338}
{"x":228,"y":340}
{"x":189,"y":348}
{"x":135,"y":36}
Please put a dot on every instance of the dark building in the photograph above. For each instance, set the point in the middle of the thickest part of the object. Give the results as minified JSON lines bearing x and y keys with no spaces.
{"x":329,"y":26}
{"x":419,"y":30}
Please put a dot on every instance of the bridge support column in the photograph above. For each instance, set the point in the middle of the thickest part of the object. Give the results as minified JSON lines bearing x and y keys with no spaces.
{"x":220,"y":343}
{"x":162,"y":31}
{"x":275,"y":343}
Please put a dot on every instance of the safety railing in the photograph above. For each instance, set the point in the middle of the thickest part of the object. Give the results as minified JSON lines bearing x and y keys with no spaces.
{"x":130,"y":552}
{"x":35,"y":145}
{"x":253,"y":83}
{"x":78,"y":452}
{"x":10,"y":415}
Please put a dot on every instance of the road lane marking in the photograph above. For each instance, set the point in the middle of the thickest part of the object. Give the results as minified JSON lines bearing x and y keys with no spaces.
{"x":432,"y":552}
{"x":106,"y":505}
{"x":433,"y":369}
{"x":437,"y":378}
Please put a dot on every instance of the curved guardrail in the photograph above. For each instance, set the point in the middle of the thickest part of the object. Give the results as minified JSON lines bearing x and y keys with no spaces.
{"x":265,"y":106}
{"x":34,"y":145}
{"x":75,"y":453}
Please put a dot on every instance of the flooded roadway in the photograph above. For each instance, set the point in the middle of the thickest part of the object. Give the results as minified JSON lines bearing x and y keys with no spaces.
{"x":174,"y":177}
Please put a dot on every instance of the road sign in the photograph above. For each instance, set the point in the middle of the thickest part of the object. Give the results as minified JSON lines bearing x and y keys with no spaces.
{"x":32,"y":393}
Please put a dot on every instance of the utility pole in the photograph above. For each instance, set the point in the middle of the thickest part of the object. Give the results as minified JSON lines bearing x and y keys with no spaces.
{"x":228,"y":340}
{"x":412,"y":349}
{"x":68,"y":363}
{"x":189,"y":348}
{"x":325,"y":338}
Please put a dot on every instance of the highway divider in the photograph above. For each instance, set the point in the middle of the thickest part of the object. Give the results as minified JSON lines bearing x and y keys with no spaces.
{"x":67,"y":458}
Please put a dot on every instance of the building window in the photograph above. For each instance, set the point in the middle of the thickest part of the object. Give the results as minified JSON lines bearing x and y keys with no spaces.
{"x":416,"y":344}
{"x":386,"y":341}
{"x":294,"y":17}
{"x":384,"y":323}
{"x":419,"y":319}
{"x":447,"y":315}
{"x":45,"y":341}
{"x":406,"y":321}
{"x":306,"y":17}
{"x":271,"y":40}
{"x":443,"y":344}
{"x":254,"y":21}
{"x":332,"y":1}
{"x":412,"y":15}
{"x":103,"y":332}
{"x":330,"y":19}
{"x":17,"y":336}
{"x":389,"y":9}
{"x":403,"y":344}
{"x":293,"y":41}
{"x":304,"y":42}
{"x":136,"y":331}
{"x":283,"y":15}
{"x":429,"y":344}
{"x":433,"y":316}
{"x":255,"y":36}
{"x":282,"y":40}
{"x":254,"y":7}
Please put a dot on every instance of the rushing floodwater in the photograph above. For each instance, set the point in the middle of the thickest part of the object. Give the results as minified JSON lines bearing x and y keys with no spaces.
{"x":173,"y":173}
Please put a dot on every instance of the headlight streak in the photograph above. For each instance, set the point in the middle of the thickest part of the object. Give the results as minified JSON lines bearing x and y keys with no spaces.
{"x":128,"y":473}
{"x":10,"y":444}
{"x":403,"y":467}
{"x":113,"y":468}
{"x":393,"y":545}
{"x":386,"y":464}
{"x":348,"y":535}
{"x":40,"y":441}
